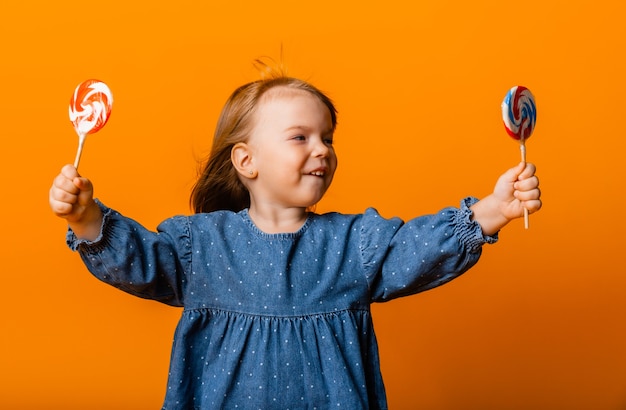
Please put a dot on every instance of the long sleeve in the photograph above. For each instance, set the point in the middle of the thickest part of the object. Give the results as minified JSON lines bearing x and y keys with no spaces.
{"x":147,"y":264}
{"x":420,"y":254}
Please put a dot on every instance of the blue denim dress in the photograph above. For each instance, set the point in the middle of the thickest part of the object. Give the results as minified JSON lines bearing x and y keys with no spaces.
{"x":279,"y":321}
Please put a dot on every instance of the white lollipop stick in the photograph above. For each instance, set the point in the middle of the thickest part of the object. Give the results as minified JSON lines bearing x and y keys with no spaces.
{"x":81,"y":142}
{"x":522,"y":147}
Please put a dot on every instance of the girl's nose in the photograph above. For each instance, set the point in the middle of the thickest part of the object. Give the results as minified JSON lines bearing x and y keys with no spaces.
{"x":320,"y":149}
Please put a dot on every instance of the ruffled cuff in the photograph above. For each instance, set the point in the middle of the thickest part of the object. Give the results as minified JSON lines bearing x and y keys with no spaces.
{"x":74,"y":243}
{"x":468,"y":230}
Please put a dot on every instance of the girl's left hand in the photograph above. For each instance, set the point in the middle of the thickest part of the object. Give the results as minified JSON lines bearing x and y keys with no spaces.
{"x":518,"y":189}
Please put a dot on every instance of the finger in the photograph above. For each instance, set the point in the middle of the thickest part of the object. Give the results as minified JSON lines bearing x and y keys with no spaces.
{"x":533,"y":205}
{"x":528,"y":171}
{"x":530,"y":200}
{"x":512,"y":174}
{"x":85,"y":196}
{"x":63,"y":183}
{"x":69,"y":171}
{"x":61,"y":201}
{"x":60,"y":208}
{"x":84,"y":184}
{"x":527,"y":184}
{"x":532,"y":194}
{"x":63,"y":196}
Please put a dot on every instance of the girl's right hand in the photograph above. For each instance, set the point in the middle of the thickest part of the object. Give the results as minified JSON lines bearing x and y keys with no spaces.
{"x":71,"y":198}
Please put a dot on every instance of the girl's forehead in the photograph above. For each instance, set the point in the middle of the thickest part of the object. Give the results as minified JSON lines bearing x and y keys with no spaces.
{"x":281,"y":98}
{"x":281,"y":91}
{"x":290,"y":107}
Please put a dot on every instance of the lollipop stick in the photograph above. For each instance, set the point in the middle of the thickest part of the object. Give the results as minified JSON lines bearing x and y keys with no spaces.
{"x":522,"y":148}
{"x":81,"y":142}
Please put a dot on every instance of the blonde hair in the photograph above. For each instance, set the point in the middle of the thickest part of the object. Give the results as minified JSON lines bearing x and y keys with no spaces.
{"x":219,"y":187}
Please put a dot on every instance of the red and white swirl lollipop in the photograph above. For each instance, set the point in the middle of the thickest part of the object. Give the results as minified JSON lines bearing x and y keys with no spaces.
{"x":90,"y":109}
{"x":519,"y":114}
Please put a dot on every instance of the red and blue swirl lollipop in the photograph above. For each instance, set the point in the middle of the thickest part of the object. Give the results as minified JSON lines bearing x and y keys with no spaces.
{"x":519,"y":114}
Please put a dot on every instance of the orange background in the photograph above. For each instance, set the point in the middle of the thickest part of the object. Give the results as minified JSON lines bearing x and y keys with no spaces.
{"x":537,"y":324}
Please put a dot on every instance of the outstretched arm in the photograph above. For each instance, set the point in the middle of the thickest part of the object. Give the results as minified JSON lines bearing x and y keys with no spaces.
{"x":71,"y":198}
{"x":516,"y":189}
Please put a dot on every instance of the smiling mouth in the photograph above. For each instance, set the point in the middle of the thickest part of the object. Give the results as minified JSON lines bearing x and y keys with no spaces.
{"x":317,"y":173}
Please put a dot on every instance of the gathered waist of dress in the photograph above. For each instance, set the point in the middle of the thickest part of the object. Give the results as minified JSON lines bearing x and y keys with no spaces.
{"x":216,"y":311}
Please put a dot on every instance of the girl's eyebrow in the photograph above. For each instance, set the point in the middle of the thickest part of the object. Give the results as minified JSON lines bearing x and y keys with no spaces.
{"x":306,"y":128}
{"x":298,"y":127}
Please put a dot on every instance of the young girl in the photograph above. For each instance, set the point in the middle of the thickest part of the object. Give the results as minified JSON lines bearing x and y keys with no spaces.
{"x":277,"y":298}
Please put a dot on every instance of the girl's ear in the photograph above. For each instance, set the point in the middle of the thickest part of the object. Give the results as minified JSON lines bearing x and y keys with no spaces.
{"x":241,"y":158}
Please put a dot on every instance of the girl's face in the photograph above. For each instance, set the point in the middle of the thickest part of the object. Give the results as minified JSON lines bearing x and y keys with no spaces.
{"x":291,"y":148}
